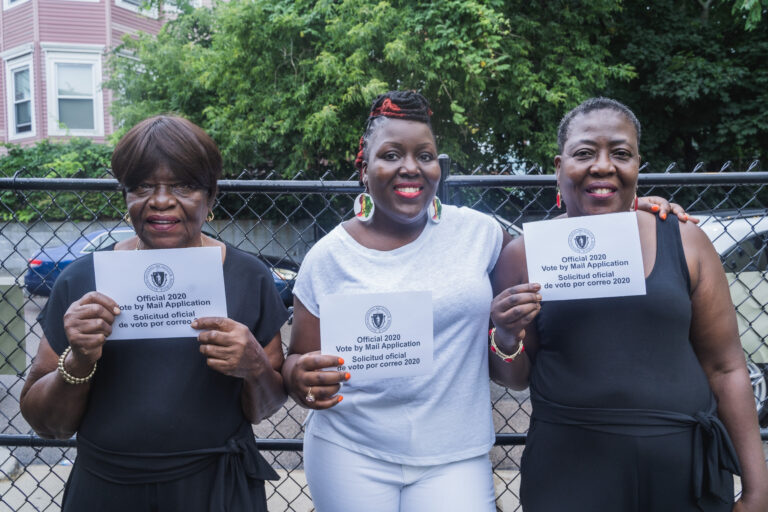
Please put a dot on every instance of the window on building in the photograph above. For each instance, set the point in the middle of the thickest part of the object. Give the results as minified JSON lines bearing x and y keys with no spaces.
{"x":22,"y":101}
{"x":20,"y":98}
{"x":139,"y":7}
{"x":74,"y":94}
{"x":7,"y":4}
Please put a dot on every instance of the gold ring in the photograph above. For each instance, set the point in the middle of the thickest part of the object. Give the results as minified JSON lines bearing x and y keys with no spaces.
{"x":310,"y":397}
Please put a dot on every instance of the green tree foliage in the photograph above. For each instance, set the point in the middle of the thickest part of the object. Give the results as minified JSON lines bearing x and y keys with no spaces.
{"x":286,"y":85}
{"x":75,"y":158}
{"x":750,"y":10}
{"x":702,"y":85}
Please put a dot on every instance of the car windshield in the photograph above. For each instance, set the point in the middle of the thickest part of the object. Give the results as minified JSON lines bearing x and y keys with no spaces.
{"x":106,"y":239}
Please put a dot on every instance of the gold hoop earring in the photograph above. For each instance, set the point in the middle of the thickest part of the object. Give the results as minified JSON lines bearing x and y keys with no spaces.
{"x":127,"y":218}
{"x":210,"y":217}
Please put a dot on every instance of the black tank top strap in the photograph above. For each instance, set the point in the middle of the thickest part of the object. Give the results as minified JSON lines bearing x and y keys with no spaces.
{"x":670,"y":244}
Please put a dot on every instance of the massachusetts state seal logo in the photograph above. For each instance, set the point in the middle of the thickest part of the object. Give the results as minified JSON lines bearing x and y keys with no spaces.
{"x":158,"y":277}
{"x":581,"y":240}
{"x":378,"y":319}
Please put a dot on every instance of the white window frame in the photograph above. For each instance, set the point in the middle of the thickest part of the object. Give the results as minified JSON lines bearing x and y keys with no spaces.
{"x":11,"y":67}
{"x":151,"y":13}
{"x":10,"y":4}
{"x":76,"y":55}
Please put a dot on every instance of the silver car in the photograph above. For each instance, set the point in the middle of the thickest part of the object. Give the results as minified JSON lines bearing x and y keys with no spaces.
{"x":740,"y":239}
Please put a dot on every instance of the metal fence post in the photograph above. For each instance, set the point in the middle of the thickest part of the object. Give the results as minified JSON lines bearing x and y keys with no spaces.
{"x":445,"y":170}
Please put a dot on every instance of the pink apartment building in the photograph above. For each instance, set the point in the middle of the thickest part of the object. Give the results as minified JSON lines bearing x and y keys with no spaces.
{"x":53,"y":54}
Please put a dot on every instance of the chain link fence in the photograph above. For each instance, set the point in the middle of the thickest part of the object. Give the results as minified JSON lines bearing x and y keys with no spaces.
{"x":279,"y":220}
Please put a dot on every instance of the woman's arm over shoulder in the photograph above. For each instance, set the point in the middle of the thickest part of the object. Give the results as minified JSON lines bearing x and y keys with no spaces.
{"x":515,"y":305}
{"x":715,"y":339}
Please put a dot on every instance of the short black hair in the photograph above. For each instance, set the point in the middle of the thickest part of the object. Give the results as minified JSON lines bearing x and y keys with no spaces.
{"x":590,"y":105}
{"x":171,"y":141}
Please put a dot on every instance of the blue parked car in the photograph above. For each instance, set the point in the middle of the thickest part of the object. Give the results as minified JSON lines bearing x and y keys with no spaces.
{"x":46,"y":265}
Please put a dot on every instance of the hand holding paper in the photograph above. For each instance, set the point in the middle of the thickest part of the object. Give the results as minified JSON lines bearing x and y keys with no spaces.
{"x":87,"y":324}
{"x":514,"y":308}
{"x":317,"y":382}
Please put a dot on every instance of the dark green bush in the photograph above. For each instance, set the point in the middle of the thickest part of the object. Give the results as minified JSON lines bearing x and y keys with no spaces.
{"x":75,"y":158}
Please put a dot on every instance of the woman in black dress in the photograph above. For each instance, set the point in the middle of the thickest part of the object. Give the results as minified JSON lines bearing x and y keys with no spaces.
{"x":162,"y":424}
{"x":639,"y":403}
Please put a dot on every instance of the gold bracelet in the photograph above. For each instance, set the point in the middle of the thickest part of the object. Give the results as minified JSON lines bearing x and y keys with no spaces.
{"x":507,"y":358}
{"x":68,"y":377}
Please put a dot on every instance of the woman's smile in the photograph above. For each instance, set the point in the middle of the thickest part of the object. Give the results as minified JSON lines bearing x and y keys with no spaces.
{"x":408,"y":190}
{"x":162,"y":222}
{"x":601,"y":190}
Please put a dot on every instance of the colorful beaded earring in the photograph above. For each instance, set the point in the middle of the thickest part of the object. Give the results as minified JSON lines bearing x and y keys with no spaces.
{"x":557,"y":198}
{"x":364,"y":207}
{"x":435,"y":210}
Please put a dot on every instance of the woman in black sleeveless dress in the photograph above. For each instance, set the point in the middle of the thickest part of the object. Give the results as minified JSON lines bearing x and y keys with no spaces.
{"x":162,"y":424}
{"x":640,"y":403}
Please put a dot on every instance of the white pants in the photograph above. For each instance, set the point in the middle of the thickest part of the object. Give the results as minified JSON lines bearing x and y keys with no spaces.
{"x":341,"y":480}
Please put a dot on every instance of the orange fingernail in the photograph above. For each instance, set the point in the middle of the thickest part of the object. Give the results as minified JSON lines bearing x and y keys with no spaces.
{"x":655,"y":208}
{"x":686,"y":216}
{"x":663,"y":216}
{"x":347,"y":376}
{"x":341,"y":361}
{"x":340,"y":399}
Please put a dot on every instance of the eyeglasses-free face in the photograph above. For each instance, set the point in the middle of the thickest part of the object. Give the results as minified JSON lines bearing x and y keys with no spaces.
{"x":597,"y":170}
{"x":402,"y":171}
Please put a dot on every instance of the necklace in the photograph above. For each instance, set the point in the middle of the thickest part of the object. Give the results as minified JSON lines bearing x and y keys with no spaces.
{"x":139,"y":243}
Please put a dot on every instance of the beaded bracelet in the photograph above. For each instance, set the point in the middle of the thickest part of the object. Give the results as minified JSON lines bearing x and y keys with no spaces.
{"x":507,"y":358}
{"x":68,"y":377}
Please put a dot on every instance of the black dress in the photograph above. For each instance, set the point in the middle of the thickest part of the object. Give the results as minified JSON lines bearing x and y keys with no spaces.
{"x":623,"y":416}
{"x":162,"y":431}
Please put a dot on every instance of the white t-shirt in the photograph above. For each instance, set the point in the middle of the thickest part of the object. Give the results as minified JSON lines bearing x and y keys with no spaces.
{"x":430,"y":419}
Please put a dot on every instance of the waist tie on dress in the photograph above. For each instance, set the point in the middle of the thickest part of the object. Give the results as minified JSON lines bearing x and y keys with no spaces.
{"x":714,"y":457}
{"x":237,"y":461}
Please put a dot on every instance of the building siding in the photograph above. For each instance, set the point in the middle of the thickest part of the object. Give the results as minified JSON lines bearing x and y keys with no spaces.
{"x":70,"y":21}
{"x":125,"y":21}
{"x":18,"y":25}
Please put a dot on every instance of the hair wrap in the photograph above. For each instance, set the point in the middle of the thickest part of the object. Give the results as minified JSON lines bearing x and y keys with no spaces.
{"x":405,"y":105}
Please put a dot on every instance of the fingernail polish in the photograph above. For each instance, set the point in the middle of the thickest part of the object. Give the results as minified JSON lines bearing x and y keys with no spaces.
{"x":340,"y":399}
{"x":663,"y":216}
{"x":341,"y":361}
{"x":347,"y":376}
{"x":655,"y":208}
